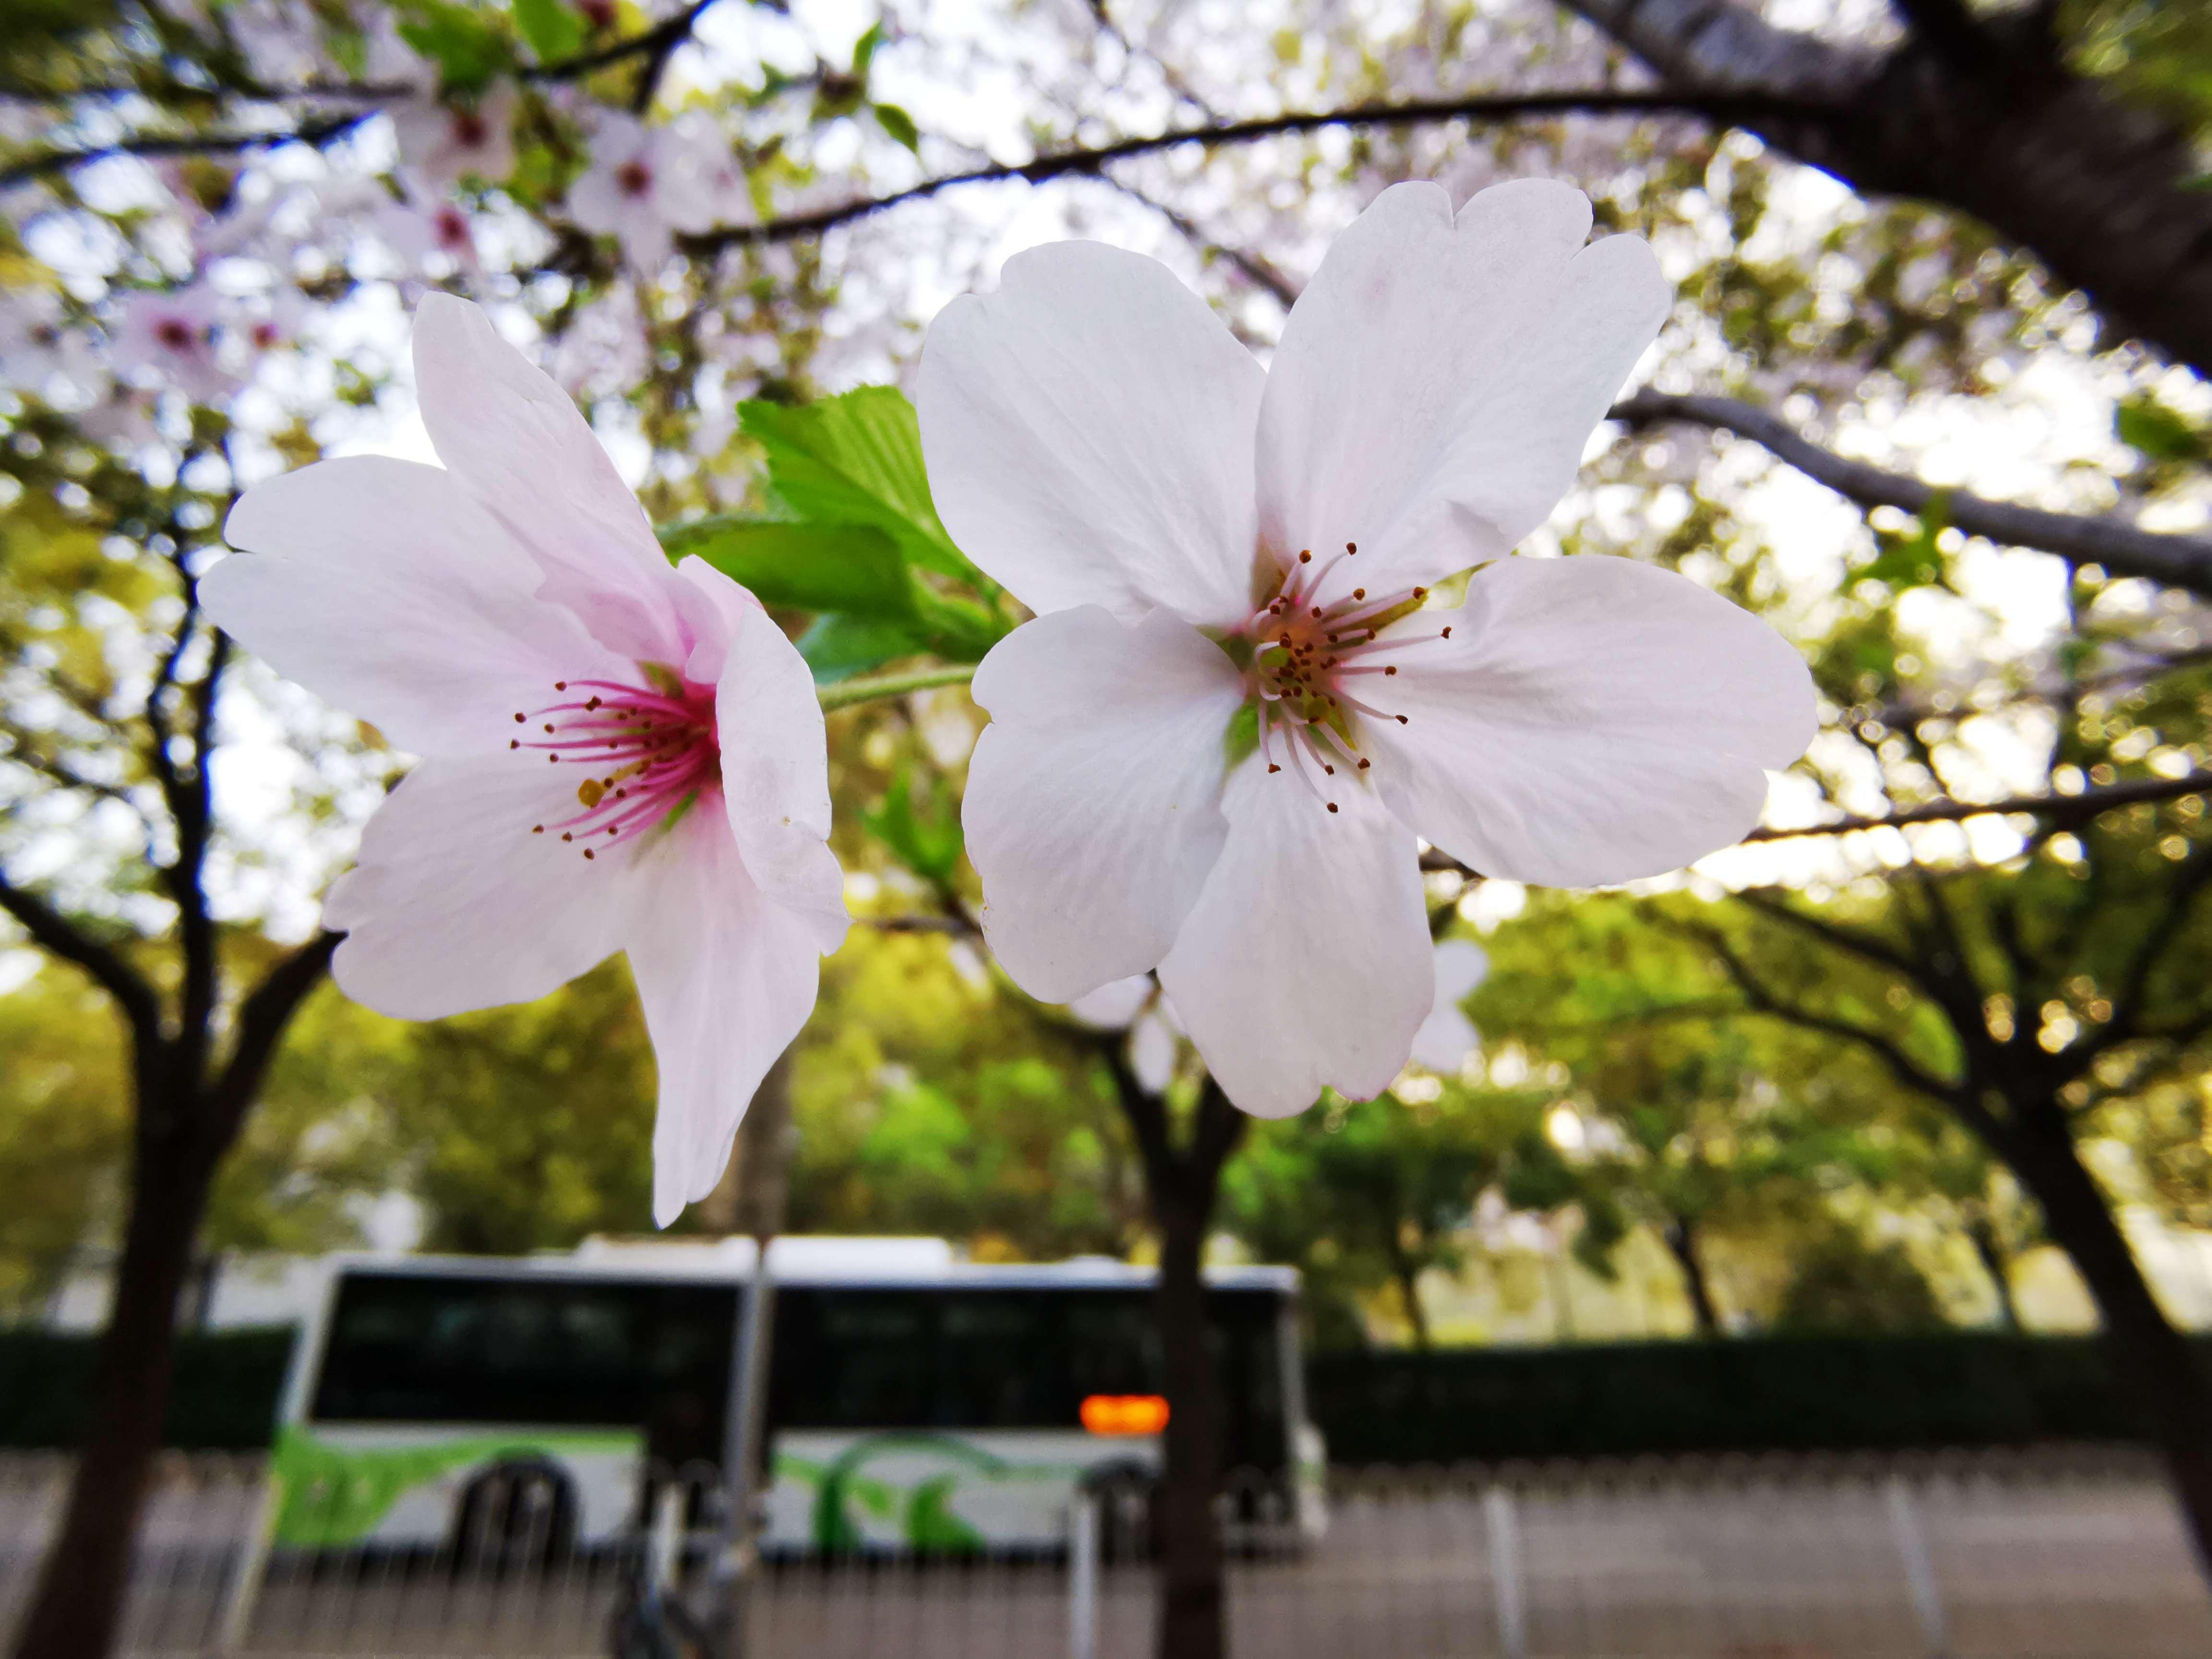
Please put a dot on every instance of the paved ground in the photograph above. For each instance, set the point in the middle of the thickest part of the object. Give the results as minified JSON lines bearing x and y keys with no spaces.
{"x":2026,"y":1563}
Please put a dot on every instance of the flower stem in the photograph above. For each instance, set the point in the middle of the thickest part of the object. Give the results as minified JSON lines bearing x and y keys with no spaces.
{"x":845,"y":694}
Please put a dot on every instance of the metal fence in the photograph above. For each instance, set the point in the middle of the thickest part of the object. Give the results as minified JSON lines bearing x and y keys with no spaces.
{"x":2051,"y":1552}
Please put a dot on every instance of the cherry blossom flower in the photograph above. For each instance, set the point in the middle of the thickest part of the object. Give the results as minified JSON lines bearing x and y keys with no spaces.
{"x":36,"y":342}
{"x":442,"y":143}
{"x":175,"y":336}
{"x":1447,"y":1037}
{"x":1137,"y":1006}
{"x":646,"y":183}
{"x":417,"y":228}
{"x":1211,"y":750}
{"x":616,"y":754}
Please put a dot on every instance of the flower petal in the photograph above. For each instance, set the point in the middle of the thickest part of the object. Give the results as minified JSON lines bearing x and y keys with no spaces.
{"x":383,"y":588}
{"x":1093,"y":809}
{"x":1088,"y":430}
{"x":454,"y":904}
{"x":1114,"y":1005}
{"x":727,"y":976}
{"x":1590,"y":720}
{"x":1305,"y":961}
{"x":518,"y":445}
{"x":1153,"y":1052}
{"x":1446,"y":1038}
{"x":1462,"y":964}
{"x":775,"y":763}
{"x":1438,"y":380}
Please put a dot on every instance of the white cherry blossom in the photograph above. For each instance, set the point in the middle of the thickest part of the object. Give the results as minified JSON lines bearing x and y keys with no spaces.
{"x":644,"y":184}
{"x":615,"y":754}
{"x":176,"y":335}
{"x":1447,"y":1038}
{"x":1210,"y":753}
{"x":1138,"y":1006}
{"x":442,"y":143}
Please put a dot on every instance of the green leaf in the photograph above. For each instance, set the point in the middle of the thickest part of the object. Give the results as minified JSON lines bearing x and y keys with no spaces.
{"x":927,"y":842}
{"x":857,"y":459}
{"x":838,"y":648}
{"x":467,"y":47}
{"x":899,"y":125}
{"x":848,"y":569}
{"x":864,"y":49}
{"x":1912,"y":561}
{"x":2148,"y":426}
{"x":555,"y":31}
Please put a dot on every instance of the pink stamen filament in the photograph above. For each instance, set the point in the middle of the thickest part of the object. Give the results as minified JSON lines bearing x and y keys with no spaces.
{"x":647,"y":752}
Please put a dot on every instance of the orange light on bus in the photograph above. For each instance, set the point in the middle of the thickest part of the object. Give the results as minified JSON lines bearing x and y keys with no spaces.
{"x":1125,"y":1413}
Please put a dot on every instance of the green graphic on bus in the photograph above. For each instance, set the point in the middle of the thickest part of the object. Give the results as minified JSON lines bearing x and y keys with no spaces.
{"x":335,"y":1495}
{"x":928,"y":1523}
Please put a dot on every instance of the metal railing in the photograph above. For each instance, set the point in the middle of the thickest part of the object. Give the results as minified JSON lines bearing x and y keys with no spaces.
{"x":2048,"y":1553}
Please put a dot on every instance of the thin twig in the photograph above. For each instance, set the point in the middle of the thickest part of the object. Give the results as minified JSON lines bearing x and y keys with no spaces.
{"x":2065,"y":809}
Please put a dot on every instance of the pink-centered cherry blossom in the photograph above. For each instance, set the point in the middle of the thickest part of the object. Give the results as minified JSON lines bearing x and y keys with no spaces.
{"x":440,"y":144}
{"x":646,"y":183}
{"x":177,"y":336}
{"x":616,"y":754}
{"x":1242,"y":699}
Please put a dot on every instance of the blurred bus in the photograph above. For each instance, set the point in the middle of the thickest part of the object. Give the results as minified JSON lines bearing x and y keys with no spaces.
{"x":913,"y":1403}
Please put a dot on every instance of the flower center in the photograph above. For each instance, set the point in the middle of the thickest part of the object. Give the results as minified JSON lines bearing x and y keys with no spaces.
{"x":470,"y":129}
{"x":177,"y":336}
{"x":651,"y":750}
{"x":1315,"y":666}
{"x":634,"y":178}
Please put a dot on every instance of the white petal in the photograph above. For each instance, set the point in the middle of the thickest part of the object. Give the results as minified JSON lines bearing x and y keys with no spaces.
{"x":1590,"y":720}
{"x":1306,"y":961}
{"x":1445,"y":1040}
{"x":1462,"y":964}
{"x":454,"y":904}
{"x":1153,"y":1052}
{"x":383,"y":588}
{"x":1437,"y":381}
{"x":775,"y":765}
{"x":1114,"y":1007}
{"x":1093,"y":800}
{"x":518,"y":444}
{"x":727,"y":977}
{"x":1088,"y":430}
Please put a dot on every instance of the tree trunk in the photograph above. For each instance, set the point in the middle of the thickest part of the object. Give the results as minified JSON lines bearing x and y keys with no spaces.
{"x":2149,"y":1357}
{"x":1409,"y":1291}
{"x":1994,"y":126}
{"x":1682,"y":1239}
{"x":79,"y":1601}
{"x":1984,"y":1237}
{"x":1192,"y":1622}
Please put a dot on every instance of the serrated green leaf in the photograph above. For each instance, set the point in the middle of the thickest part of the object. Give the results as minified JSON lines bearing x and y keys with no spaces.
{"x":848,"y":569}
{"x":554,"y":31}
{"x":838,"y":648}
{"x":857,"y":459}
{"x":898,"y":125}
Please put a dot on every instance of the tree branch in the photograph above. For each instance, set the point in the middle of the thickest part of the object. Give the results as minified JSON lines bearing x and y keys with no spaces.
{"x":2063,"y":810}
{"x":1728,"y":108}
{"x":204,"y":144}
{"x":261,"y":1021}
{"x":58,"y":936}
{"x":1849,"y":940}
{"x":2184,"y":561}
{"x":2130,"y":996}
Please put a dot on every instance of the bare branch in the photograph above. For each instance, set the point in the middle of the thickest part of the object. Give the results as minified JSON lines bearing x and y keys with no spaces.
{"x":1260,"y":271}
{"x":319,"y":131}
{"x":261,"y":1021}
{"x":2184,"y":561}
{"x":1851,"y":941}
{"x":57,"y":935}
{"x":2059,"y":809}
{"x":1723,"y":107}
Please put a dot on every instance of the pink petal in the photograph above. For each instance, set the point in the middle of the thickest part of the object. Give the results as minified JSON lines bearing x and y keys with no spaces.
{"x":1089,"y":433}
{"x":1091,"y":808}
{"x":1305,"y":963}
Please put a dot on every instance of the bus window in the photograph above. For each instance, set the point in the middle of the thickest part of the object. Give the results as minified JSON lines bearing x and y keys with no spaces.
{"x":425,"y":1348}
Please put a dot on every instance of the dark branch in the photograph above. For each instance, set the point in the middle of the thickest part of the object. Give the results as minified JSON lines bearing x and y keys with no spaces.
{"x":1852,"y":941}
{"x":2131,"y":998}
{"x":2059,"y":809}
{"x":1727,"y":108}
{"x":2184,"y":561}
{"x":261,"y":1021}
{"x":202,"y":144}
{"x":58,"y":936}
{"x":1258,"y":271}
